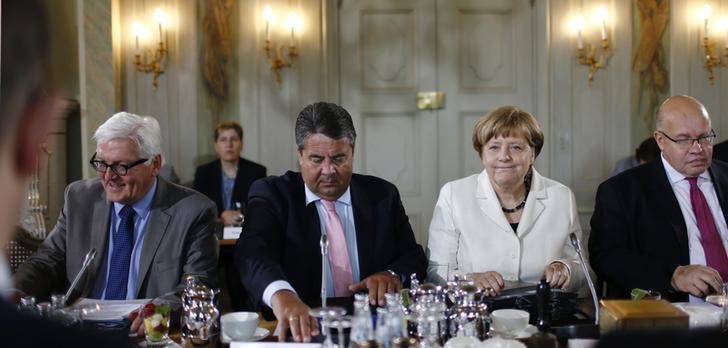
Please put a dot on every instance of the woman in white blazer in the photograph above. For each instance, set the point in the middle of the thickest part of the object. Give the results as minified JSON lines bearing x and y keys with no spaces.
{"x":508,"y":223}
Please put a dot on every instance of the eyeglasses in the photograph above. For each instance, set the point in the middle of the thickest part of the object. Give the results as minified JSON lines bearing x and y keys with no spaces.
{"x":689,"y":142}
{"x":118,"y":168}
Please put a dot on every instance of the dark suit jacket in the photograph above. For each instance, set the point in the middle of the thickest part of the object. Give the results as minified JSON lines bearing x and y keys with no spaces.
{"x":280,"y":238}
{"x":720,"y":151}
{"x":208,"y":180}
{"x":638,"y":234}
{"x":179,"y":240}
{"x":20,"y":330}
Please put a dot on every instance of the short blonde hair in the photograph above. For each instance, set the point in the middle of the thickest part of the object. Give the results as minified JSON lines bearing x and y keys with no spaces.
{"x":507,"y":121}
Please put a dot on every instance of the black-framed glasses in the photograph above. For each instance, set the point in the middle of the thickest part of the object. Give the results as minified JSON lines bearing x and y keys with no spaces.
{"x":119,"y":169}
{"x":689,"y":142}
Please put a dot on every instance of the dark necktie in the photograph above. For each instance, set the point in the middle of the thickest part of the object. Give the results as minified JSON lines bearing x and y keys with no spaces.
{"x":715,"y":256}
{"x":121,"y":255}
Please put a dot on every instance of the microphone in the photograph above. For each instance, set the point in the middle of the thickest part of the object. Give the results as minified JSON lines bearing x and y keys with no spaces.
{"x":577,"y":246}
{"x":86,"y":261}
{"x":324,"y":243}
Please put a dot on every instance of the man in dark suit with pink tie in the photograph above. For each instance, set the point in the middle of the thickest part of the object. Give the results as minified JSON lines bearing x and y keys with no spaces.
{"x":662,"y":226}
{"x":371,"y":244}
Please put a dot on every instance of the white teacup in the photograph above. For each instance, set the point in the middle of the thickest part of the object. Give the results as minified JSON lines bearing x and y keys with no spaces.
{"x":509,"y":320}
{"x":239,"y":326}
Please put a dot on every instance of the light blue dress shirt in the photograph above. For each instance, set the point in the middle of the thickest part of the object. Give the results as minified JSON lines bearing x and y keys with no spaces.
{"x":142,"y":209}
{"x":346,"y":214}
{"x":227,"y":192}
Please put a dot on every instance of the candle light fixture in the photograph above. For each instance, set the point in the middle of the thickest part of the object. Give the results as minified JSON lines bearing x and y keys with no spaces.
{"x":712,"y":57}
{"x":274,"y":53}
{"x":151,"y":60}
{"x":595,"y":57}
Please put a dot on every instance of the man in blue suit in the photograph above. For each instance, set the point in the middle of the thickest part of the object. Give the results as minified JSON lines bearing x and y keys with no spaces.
{"x":372,"y":246}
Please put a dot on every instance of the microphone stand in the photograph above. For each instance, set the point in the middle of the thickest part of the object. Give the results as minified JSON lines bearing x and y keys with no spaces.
{"x":577,"y":246}
{"x":86,"y":261}
{"x":324,"y":243}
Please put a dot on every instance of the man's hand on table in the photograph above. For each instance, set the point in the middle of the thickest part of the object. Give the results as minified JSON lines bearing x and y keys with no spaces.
{"x":292,"y":313}
{"x":698,"y":280}
{"x":378,"y":284}
{"x":136,"y":324}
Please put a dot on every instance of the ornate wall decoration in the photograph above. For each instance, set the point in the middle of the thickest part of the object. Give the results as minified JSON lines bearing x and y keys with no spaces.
{"x":217,"y":51}
{"x":649,"y":60}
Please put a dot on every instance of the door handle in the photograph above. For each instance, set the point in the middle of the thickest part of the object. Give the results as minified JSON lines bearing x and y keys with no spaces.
{"x":431,"y":100}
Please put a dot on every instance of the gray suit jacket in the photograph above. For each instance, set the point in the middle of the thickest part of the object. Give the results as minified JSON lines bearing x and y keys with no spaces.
{"x":179,"y":241}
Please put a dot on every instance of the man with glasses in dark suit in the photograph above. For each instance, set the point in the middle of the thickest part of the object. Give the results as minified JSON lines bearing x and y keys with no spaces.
{"x":662,"y":225}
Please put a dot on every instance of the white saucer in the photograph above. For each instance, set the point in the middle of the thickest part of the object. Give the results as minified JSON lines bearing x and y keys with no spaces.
{"x":525,"y":333}
{"x":497,"y":342}
{"x":260,"y":333}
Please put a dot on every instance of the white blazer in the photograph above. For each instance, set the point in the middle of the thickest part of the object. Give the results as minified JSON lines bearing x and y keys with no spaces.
{"x":469,"y":229}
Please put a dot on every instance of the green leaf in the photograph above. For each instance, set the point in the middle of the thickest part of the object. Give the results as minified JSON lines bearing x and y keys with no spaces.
{"x":638,"y":294}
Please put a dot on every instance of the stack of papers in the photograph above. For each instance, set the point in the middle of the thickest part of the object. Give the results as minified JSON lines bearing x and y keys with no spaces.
{"x":108,"y":310}
{"x":230,"y":232}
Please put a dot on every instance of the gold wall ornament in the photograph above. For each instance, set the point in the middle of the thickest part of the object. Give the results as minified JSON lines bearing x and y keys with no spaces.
{"x":593,"y":60}
{"x":712,"y":56}
{"x":217,"y":52}
{"x":648,"y":62}
{"x":712,"y":59}
{"x":151,"y":60}
{"x":593,"y":56}
{"x":274,"y":52}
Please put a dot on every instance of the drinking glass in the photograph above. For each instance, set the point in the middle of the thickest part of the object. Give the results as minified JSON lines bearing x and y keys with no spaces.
{"x":327,"y":316}
{"x":240,"y":207}
{"x":156,"y":323}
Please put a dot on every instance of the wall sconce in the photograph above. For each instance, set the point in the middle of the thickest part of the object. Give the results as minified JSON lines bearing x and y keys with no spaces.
{"x":593,"y":57}
{"x":712,"y":57}
{"x":151,"y":60}
{"x":273,"y":52}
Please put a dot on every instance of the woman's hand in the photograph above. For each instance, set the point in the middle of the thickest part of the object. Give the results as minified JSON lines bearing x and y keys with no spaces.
{"x":491,"y":282}
{"x":557,"y":275}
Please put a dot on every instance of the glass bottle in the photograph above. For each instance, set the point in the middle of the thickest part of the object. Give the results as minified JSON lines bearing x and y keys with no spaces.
{"x":362,"y":329}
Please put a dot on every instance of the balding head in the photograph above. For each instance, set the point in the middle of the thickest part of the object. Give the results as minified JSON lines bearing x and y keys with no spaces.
{"x":680,"y":106}
{"x":683,"y":133}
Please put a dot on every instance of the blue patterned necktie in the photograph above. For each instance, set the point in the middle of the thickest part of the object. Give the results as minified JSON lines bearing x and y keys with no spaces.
{"x":121,"y":255}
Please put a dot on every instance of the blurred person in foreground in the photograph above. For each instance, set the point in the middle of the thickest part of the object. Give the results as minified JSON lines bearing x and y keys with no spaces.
{"x":661,"y":226}
{"x":371,"y":244}
{"x":508,"y":223}
{"x":27,"y":108}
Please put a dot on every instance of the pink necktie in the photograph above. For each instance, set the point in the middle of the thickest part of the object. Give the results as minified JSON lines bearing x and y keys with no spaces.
{"x":338,"y":251}
{"x":715,"y":256}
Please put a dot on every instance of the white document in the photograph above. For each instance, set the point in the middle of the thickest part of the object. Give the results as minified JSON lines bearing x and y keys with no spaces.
{"x":107,"y":310}
{"x":273,"y":345}
{"x":231,"y":232}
